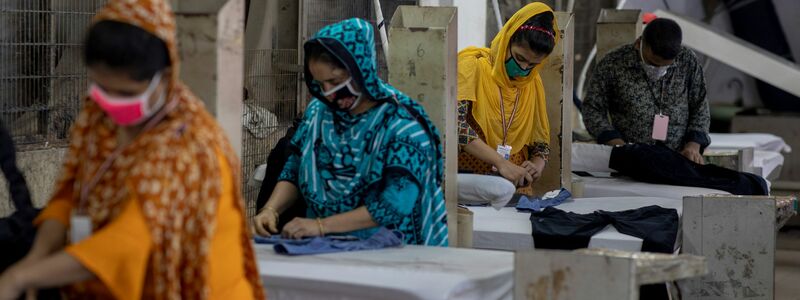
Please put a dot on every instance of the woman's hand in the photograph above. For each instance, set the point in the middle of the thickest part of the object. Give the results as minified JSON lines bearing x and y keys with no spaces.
{"x":10,"y":285}
{"x":59,"y":269}
{"x":519,"y":176}
{"x":265,"y":223}
{"x":299,"y":228}
{"x":50,"y":238}
{"x":535,"y":167}
{"x":29,"y":260}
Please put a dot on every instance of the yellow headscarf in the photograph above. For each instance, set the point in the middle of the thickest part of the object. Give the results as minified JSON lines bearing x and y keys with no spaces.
{"x":482,"y":77}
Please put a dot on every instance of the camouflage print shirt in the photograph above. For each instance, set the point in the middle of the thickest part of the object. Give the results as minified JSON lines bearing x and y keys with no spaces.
{"x":622,"y":101}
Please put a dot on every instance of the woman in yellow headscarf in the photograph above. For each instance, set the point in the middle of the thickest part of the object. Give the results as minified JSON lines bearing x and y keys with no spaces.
{"x":503,"y":124}
{"x":148,"y":205}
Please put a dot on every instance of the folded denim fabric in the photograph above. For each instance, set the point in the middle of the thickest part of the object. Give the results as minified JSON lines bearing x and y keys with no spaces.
{"x":383,"y":238}
{"x":552,"y":198}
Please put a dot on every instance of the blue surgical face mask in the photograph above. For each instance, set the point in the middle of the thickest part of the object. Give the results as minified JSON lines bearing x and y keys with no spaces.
{"x":514,"y":70}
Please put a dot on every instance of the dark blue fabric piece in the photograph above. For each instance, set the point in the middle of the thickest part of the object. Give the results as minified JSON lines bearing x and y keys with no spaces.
{"x":656,"y":226}
{"x":553,"y":228}
{"x":660,"y":164}
{"x":383,"y":238}
{"x":277,"y":239}
{"x":537,"y":204}
{"x":608,"y":135}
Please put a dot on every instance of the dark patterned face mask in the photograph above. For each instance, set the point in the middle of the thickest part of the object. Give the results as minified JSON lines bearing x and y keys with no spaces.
{"x":342,"y":92}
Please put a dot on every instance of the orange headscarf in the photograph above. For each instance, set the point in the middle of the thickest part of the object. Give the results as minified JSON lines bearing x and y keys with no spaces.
{"x":171,"y":169}
{"x":482,"y":78}
{"x":154,"y":16}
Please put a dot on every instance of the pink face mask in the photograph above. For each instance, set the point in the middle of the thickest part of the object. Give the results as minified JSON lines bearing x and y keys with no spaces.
{"x":128,"y":111}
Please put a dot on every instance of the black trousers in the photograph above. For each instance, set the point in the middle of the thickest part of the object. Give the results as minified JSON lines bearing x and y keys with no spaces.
{"x":16,"y":231}
{"x":659,"y":164}
{"x":18,"y":188}
{"x":557,"y":229}
{"x":656,"y":226}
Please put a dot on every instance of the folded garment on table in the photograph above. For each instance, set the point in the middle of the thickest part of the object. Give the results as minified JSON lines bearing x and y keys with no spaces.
{"x":557,"y":229}
{"x":552,"y":198}
{"x":656,"y":226}
{"x":383,"y":238}
{"x":659,"y":164}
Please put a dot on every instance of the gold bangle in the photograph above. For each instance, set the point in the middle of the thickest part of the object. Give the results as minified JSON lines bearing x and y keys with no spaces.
{"x":321,"y":229}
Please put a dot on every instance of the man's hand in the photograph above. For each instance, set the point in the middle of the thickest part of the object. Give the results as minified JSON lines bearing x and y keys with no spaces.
{"x":616,"y":142}
{"x":692,"y":151}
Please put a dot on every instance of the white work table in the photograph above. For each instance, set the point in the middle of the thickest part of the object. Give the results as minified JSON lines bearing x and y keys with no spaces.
{"x":411,"y":272}
{"x":594,"y":187}
{"x":757,"y":141}
{"x":510,"y":230}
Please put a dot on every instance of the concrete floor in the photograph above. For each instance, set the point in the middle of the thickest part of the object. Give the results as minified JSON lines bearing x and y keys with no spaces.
{"x":787,"y":265}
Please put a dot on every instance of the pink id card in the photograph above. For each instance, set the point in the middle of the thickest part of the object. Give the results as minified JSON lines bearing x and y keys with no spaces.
{"x":660,"y":124}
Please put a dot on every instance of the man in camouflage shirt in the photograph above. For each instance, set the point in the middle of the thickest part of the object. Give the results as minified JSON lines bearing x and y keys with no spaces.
{"x":653,"y":78}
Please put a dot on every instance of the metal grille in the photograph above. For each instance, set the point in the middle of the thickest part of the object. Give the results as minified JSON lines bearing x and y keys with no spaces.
{"x":42,"y":77}
{"x":269,"y":108}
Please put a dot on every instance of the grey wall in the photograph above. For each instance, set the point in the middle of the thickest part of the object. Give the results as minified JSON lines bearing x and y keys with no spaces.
{"x":41,"y":169}
{"x":726,"y":84}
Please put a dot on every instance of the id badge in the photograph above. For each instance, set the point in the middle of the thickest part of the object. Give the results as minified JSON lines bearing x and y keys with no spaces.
{"x":80,"y":227}
{"x":504,"y":151}
{"x":660,"y":125}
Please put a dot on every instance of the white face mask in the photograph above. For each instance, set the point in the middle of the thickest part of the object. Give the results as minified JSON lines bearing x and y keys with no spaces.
{"x":653,"y":72}
{"x":343,"y":91}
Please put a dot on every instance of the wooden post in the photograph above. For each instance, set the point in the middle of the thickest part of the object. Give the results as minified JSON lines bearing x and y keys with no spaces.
{"x":557,"y":275}
{"x":615,"y":28}
{"x":737,"y":236}
{"x":784,"y":126}
{"x":211,"y":39}
{"x":596,"y":274}
{"x":557,"y":81}
{"x":423,"y":42}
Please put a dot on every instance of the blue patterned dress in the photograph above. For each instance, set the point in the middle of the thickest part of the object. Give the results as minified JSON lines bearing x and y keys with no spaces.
{"x":387,"y":159}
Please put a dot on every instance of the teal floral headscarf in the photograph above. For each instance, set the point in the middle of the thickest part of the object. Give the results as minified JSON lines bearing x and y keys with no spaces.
{"x":388,"y":159}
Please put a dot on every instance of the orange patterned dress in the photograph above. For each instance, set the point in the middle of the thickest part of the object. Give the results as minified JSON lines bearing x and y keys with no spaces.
{"x":167,"y":215}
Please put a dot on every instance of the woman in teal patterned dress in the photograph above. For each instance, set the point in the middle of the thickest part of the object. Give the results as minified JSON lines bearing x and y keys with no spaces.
{"x":365,"y":155}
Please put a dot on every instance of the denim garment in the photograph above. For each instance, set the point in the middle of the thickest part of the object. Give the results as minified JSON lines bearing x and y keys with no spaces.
{"x":552,"y":198}
{"x":382,"y":238}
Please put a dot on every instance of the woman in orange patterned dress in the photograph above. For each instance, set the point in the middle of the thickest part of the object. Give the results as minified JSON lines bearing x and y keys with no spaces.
{"x":149,"y":195}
